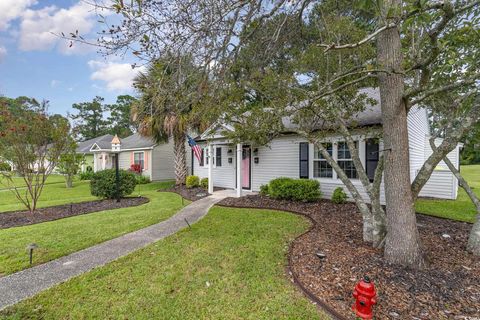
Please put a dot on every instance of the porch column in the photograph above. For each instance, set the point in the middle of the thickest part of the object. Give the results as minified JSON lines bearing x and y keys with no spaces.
{"x":94,"y":162}
{"x":210,"y":166}
{"x":239,"y":170}
{"x":104,"y":161}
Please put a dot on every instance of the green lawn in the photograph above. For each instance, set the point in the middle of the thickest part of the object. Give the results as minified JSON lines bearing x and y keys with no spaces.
{"x":461,"y":209}
{"x":61,"y":237}
{"x":53,"y":194}
{"x":231,"y":265}
{"x":19,"y":182}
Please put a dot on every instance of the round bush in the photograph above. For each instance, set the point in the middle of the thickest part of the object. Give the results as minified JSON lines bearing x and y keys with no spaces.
{"x":305,"y":190}
{"x":204,"y":183}
{"x":192,"y":182}
{"x":264,"y":190}
{"x":103,"y":183}
{"x":339,"y":196}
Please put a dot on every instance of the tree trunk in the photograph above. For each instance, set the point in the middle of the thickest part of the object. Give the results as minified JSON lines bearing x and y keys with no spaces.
{"x":180,"y":159}
{"x":69,"y":181}
{"x":368,"y":223}
{"x":375,"y":224}
{"x":378,"y":214}
{"x":473,"y":244}
{"x":402,"y":245}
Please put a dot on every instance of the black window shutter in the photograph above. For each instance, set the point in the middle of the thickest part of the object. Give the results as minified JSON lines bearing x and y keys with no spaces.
{"x":218,"y":156}
{"x":303,"y":160}
{"x":201,"y":159}
{"x":372,"y":155}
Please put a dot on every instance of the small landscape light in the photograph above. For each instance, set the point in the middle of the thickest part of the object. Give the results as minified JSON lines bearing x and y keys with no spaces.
{"x":30,"y":249}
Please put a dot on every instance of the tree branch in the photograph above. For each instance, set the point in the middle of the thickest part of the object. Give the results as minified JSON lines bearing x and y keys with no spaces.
{"x":368,"y":38}
{"x":430,"y":92}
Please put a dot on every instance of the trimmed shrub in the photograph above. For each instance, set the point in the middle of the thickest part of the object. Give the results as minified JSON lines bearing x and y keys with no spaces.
{"x":264,"y":190}
{"x":103,"y":183}
{"x":305,"y":190}
{"x":204,"y":183}
{"x":339,"y":196}
{"x":141,"y":179}
{"x":192,"y":182}
{"x":87,"y":175}
{"x":5,"y":166}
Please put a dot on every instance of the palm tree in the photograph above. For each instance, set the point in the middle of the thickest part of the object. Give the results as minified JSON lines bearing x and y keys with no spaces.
{"x":170,"y":94}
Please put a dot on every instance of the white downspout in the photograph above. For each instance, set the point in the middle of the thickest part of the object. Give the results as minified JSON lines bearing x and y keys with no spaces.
{"x":95,"y":162}
{"x":239,"y":170}
{"x":210,"y":166}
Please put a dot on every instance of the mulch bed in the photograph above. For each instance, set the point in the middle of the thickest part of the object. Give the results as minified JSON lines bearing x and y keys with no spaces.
{"x":192,"y":194}
{"x":449,"y":288}
{"x":22,"y":218}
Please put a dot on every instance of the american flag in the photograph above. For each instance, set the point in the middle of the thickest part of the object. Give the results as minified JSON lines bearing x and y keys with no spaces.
{"x":196,"y":149}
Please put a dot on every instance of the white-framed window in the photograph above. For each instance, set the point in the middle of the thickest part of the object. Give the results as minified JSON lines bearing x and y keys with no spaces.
{"x":344,"y":160}
{"x":321,"y":168}
{"x":139,"y":158}
{"x":205,"y":152}
{"x":218,"y":156}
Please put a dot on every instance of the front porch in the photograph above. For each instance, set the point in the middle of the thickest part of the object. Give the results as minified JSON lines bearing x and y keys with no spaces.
{"x":237,"y":167}
{"x":103,"y":161}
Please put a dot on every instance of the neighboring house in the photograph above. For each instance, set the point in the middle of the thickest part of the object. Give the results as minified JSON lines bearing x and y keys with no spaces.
{"x":290,"y":155}
{"x":85,"y":146}
{"x":156,"y":160}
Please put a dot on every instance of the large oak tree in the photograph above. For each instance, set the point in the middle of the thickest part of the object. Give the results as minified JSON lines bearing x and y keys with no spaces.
{"x":422,"y":48}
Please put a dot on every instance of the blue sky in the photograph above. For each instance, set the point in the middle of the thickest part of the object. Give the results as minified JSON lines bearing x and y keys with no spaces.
{"x":35,"y":63}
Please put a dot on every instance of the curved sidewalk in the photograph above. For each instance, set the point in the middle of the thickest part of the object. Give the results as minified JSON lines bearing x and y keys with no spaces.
{"x":24,"y":284}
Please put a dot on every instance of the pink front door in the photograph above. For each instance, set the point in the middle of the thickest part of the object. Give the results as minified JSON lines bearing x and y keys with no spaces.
{"x":246,"y":168}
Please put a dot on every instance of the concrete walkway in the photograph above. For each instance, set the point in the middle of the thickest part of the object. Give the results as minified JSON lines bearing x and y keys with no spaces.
{"x":24,"y":284}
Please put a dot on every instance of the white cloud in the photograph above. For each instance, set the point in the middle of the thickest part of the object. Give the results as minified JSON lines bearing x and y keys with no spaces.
{"x":117,"y":76}
{"x":11,"y":10}
{"x":40,"y":29}
{"x":54,"y":83}
{"x":3,"y":53}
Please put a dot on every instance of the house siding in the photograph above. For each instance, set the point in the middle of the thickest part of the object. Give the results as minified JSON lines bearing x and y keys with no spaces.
{"x":280,"y":158}
{"x":162,"y":162}
{"x":418,"y":130}
{"x":224,"y":176}
{"x":126,"y":159}
{"x":442,"y":183}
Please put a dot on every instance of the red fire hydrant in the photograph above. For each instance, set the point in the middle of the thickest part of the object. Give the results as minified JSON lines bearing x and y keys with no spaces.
{"x":365,"y":297}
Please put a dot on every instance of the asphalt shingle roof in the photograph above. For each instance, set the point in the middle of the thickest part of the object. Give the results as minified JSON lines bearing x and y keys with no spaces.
{"x":104,"y":142}
{"x":137,"y":141}
{"x":371,"y":115}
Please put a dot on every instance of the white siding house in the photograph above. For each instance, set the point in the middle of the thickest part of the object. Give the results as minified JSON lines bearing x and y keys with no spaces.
{"x":292,"y":156}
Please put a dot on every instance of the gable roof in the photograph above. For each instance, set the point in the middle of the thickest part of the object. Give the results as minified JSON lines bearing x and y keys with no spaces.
{"x":371,"y":115}
{"x":137,"y":141}
{"x":103,"y":142}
